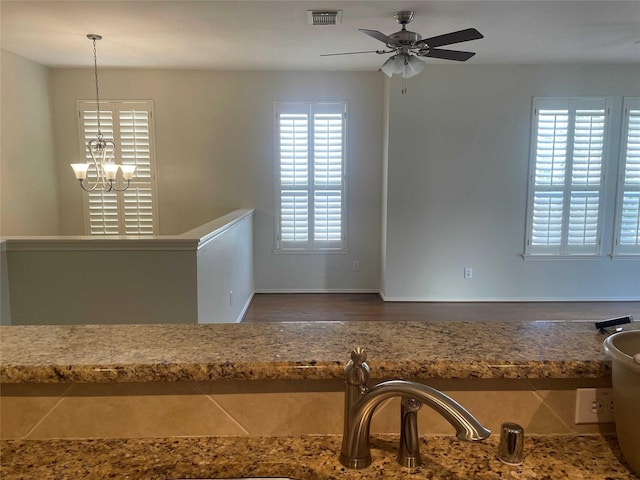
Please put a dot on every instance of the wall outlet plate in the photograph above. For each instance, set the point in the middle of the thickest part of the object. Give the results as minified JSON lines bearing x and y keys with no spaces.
{"x":594,"y":405}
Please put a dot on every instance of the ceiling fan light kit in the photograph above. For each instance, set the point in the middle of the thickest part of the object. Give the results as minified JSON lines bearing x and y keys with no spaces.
{"x":407,"y":46}
{"x":406,"y":65}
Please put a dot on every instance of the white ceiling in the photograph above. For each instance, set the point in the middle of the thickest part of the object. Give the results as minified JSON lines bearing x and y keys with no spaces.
{"x":275,"y":35}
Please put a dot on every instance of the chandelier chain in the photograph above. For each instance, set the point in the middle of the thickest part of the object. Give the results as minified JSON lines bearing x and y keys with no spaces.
{"x":95,"y":71}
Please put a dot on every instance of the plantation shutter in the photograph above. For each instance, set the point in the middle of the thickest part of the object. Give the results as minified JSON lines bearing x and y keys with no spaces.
{"x":310,"y":155}
{"x":586,"y":178}
{"x":294,"y":180}
{"x":566,"y":183}
{"x":628,"y":231}
{"x":550,"y":162}
{"x":328,"y":153}
{"x":135,"y":147}
{"x":102,"y":207}
{"x":133,"y":211}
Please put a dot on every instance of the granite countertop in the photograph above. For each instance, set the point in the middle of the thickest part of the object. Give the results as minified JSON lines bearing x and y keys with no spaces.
{"x":308,"y":457}
{"x":300,"y":350}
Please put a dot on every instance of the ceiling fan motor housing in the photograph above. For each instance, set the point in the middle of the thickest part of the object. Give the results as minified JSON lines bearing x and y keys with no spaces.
{"x":405,"y":38}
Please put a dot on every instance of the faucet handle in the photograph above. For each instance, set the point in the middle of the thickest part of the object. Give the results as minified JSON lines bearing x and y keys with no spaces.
{"x":356,"y":372}
{"x":358,"y":355}
{"x":409,"y":451}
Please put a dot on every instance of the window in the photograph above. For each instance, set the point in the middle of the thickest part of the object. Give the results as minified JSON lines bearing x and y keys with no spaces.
{"x":130,"y":125}
{"x":310,"y":153}
{"x":566,"y":176}
{"x":628,"y":218}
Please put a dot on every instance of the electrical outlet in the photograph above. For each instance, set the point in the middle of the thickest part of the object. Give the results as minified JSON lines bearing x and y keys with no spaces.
{"x":356,"y":265}
{"x":594,"y":405}
{"x":468,"y":272}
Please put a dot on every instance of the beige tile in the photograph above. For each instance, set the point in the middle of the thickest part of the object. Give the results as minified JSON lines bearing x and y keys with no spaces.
{"x":491,"y":408}
{"x":121,"y":410}
{"x":23,"y":405}
{"x":563,"y":402}
{"x":285,"y":413}
{"x":567,"y":383}
{"x":281,"y":406}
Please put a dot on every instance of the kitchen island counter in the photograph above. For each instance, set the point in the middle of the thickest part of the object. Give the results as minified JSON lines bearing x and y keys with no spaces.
{"x":306,"y":458}
{"x":300,"y":350}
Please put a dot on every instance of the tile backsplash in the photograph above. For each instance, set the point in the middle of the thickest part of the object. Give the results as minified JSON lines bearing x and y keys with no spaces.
{"x":167,"y":409}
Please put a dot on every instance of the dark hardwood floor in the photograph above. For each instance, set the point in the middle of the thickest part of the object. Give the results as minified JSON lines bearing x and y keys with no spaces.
{"x":370,"y":307}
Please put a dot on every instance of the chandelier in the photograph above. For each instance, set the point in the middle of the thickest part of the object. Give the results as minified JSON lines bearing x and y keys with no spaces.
{"x":102,"y":151}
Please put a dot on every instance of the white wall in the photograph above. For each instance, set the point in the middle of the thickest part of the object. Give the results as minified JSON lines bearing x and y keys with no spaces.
{"x":28,"y":181}
{"x":215,"y":145}
{"x":457,"y":185}
{"x":225,"y":271}
{"x":215,"y":153}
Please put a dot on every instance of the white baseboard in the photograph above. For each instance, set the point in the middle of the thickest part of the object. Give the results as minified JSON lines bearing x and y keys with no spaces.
{"x":387,"y":298}
{"x":507,"y":299}
{"x":317,"y":290}
{"x":244,"y":309}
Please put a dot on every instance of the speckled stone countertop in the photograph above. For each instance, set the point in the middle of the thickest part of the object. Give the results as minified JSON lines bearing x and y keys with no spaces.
{"x":304,"y":350}
{"x":310,"y":458}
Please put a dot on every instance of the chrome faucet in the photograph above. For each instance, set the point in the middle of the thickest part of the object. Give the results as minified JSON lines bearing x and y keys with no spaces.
{"x":361,"y":401}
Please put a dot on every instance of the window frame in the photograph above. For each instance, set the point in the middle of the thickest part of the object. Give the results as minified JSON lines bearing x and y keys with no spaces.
{"x":311,"y":245}
{"x":150,"y":184}
{"x":624,"y":251}
{"x":564,"y":249}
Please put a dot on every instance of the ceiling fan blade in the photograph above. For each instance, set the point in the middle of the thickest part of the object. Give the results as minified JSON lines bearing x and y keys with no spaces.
{"x":453,"y":37}
{"x":351,"y":53}
{"x":448,"y":54}
{"x":378,"y":36}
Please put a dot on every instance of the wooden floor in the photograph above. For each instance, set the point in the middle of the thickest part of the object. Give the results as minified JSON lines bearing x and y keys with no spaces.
{"x":370,"y":307}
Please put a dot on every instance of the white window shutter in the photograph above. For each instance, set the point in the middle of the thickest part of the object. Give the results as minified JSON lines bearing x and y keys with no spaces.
{"x":586,"y":177}
{"x":138,"y":211}
{"x":294,"y":219}
{"x":103,"y":213}
{"x":327,"y":134}
{"x":310,"y":156}
{"x":547,"y":219}
{"x":566,"y":183}
{"x":551,"y":146}
{"x":628,"y":231}
{"x":327,"y":224}
{"x":294,"y":149}
{"x":102,"y":207}
{"x":133,"y":211}
{"x":134,"y":142}
{"x":135,"y":148}
{"x":588,"y":147}
{"x":583,"y":219}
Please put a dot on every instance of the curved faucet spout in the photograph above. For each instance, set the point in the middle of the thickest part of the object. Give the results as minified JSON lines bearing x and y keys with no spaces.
{"x":359,"y":408}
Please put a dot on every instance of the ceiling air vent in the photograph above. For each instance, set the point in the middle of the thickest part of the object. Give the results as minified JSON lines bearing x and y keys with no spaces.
{"x":316,"y":17}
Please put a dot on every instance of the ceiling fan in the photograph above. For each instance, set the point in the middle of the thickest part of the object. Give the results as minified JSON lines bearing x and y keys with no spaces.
{"x":409,"y":45}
